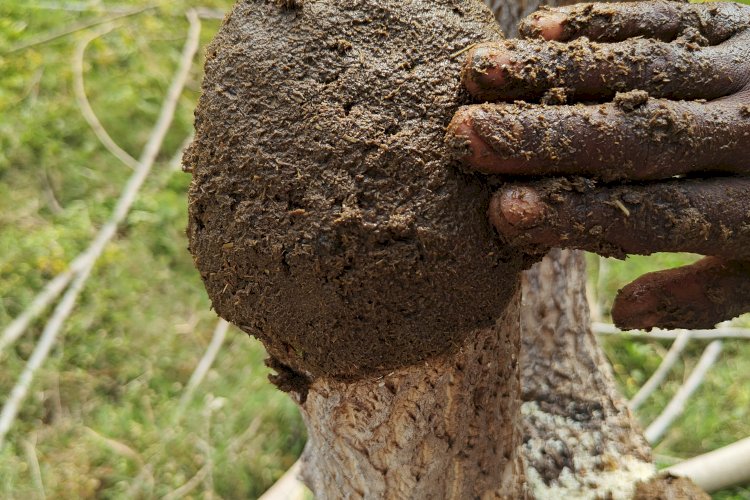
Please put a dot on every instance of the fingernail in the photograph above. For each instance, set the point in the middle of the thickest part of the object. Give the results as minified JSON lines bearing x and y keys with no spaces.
{"x":547,"y":25}
{"x":486,"y":69}
{"x":514,"y":210}
{"x":467,"y":146}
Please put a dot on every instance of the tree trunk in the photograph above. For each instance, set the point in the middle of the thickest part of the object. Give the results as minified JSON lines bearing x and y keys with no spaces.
{"x":444,"y":430}
{"x":455,"y":428}
{"x":580,"y":439}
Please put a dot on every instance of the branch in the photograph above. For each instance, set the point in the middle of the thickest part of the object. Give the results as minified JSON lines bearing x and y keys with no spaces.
{"x":203,"y":366}
{"x":203,"y":12}
{"x":36,"y":471}
{"x":75,"y":7}
{"x":288,"y":487}
{"x":41,"y":351}
{"x":661,"y":373}
{"x":175,"y":164}
{"x":88,"y":258}
{"x":50,"y":292}
{"x":186,"y":488}
{"x":676,"y":406}
{"x":718,"y":333}
{"x":84,"y":105}
{"x":49,"y":37}
{"x":719,"y":469}
{"x":209,"y":13}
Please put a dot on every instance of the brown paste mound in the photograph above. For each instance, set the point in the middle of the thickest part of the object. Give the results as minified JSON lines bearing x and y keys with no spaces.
{"x":667,"y":487}
{"x":325,"y":218}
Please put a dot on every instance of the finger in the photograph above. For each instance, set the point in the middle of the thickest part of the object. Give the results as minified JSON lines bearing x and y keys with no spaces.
{"x":703,"y":216}
{"x":634,"y":137}
{"x":696,"y":296}
{"x":613,"y":22}
{"x":528,"y":70}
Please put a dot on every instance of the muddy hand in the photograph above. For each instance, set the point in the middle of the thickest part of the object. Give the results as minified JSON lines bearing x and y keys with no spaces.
{"x":666,"y":88}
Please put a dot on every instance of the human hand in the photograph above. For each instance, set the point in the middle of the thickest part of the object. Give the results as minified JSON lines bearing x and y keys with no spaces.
{"x":658,"y":165}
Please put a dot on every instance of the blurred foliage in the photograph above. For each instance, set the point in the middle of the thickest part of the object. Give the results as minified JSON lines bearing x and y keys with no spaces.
{"x":114,"y":380}
{"x":100,"y":420}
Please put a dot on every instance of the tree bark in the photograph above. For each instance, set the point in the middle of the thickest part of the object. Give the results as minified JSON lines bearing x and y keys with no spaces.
{"x":580,"y":439}
{"x":455,"y":428}
{"x":448,"y":429}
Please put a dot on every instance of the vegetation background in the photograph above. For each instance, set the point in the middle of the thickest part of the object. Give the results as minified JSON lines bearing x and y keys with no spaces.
{"x":102,"y":419}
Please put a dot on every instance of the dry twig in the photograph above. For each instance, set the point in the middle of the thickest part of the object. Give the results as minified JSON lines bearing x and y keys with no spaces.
{"x":718,"y":333}
{"x":36,"y":472}
{"x":203,"y":366}
{"x":186,"y":488}
{"x":49,"y":37}
{"x":40,"y":353}
{"x":723,"y":468}
{"x":51,"y":291}
{"x":288,"y":487}
{"x":674,"y":409}
{"x":661,"y":372}
{"x":83,"y":102}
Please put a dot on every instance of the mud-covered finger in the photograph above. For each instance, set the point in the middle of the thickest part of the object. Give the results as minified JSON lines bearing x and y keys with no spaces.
{"x":560,"y":73}
{"x":663,"y":20}
{"x":703,"y":216}
{"x":696,"y":296}
{"x":635,"y":137}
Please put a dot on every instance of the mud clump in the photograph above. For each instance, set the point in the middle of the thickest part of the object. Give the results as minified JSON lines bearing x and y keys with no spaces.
{"x":325,"y":218}
{"x":669,"y":487}
{"x":630,"y":101}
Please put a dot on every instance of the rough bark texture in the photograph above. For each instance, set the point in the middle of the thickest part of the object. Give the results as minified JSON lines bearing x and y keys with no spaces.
{"x":446,"y":429}
{"x":580,"y":440}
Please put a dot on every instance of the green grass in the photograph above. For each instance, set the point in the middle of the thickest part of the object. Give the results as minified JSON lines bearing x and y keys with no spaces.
{"x":100,"y":416}
{"x":143,"y":321}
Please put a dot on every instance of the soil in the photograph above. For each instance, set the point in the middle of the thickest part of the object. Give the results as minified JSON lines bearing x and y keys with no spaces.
{"x":325,"y":217}
{"x":669,"y":487}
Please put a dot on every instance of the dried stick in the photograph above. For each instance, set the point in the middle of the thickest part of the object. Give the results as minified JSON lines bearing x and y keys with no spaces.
{"x":186,"y":488}
{"x":723,"y":468}
{"x":125,"y":451}
{"x":40,"y":353}
{"x":36,"y":472}
{"x":51,"y":291}
{"x":718,"y":333}
{"x":128,"y":196}
{"x":238,"y":442}
{"x":175,"y":163}
{"x":203,"y":12}
{"x":204,"y":365}
{"x":83,"y":102}
{"x":209,"y":13}
{"x":674,"y":409}
{"x":661,"y":372}
{"x":288,"y":487}
{"x":49,"y":37}
{"x":76,"y":7}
